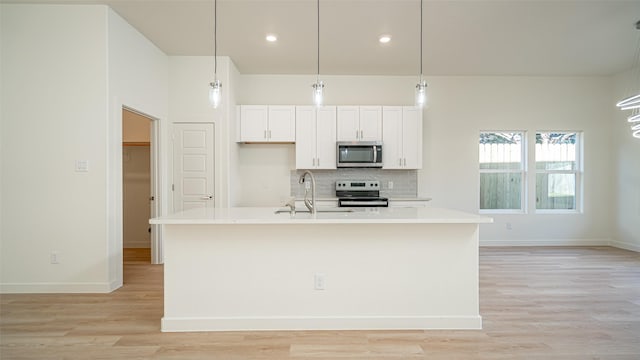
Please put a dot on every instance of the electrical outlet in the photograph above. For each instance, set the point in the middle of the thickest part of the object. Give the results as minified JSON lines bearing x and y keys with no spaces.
{"x":319,"y":282}
{"x":509,"y":227}
{"x":82,"y":165}
{"x":55,"y":257}
{"x":307,"y":185}
{"x":390,"y":185}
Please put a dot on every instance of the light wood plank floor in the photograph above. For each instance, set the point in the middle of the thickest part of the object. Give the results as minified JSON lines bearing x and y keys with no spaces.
{"x":536,"y":303}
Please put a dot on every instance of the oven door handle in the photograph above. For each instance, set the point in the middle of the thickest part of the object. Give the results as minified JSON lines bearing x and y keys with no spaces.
{"x":375,"y":154}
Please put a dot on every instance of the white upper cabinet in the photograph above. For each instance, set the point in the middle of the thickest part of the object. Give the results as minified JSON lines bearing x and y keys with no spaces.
{"x":359,"y":123}
{"x":348,"y":123}
{"x":370,"y":123}
{"x":253,"y":122}
{"x":402,"y":137}
{"x":262,"y":123}
{"x":315,"y":137}
{"x":282,"y":123}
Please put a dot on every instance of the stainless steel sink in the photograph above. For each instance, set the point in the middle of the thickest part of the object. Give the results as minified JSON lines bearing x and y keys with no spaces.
{"x":326,"y":210}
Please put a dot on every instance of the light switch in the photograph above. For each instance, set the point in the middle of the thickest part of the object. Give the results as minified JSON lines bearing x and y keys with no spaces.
{"x":82,"y":165}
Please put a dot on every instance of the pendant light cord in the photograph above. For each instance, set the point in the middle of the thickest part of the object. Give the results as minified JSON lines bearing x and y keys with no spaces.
{"x":215,"y":39}
{"x":420,"y":40}
{"x":318,"y":42}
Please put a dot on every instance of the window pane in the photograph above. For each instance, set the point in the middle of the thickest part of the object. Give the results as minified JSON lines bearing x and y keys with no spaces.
{"x":556,"y":191}
{"x":500,"y":150}
{"x":500,"y":191}
{"x":556,"y":151}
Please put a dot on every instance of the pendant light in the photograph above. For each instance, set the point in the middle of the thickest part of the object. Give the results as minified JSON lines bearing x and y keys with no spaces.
{"x":421,"y":87}
{"x":633,"y":102}
{"x":215,"y":87}
{"x":318,"y":87}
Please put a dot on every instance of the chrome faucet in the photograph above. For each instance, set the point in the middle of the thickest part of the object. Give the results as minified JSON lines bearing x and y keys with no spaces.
{"x":311,"y":205}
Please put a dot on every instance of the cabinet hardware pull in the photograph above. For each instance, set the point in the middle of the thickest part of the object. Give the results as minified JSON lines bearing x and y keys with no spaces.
{"x":400,"y":162}
{"x":357,"y":134}
{"x":265,"y":134}
{"x":207,"y":197}
{"x":269,"y":134}
{"x":361,"y":134}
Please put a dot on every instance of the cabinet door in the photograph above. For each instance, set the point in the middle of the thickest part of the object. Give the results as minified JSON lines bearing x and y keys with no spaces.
{"x":370,"y":123}
{"x":253,"y":123}
{"x":305,"y":137}
{"x":392,"y":156}
{"x":326,"y":138}
{"x":412,"y":137}
{"x":348,"y":119}
{"x":282,"y":126}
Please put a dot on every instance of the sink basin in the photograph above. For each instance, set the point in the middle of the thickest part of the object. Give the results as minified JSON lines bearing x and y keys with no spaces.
{"x":320,"y":210}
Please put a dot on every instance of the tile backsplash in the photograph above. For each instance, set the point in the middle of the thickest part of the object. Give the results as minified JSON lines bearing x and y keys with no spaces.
{"x":405,"y":182}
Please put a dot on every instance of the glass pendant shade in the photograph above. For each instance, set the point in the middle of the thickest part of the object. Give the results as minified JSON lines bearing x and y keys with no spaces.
{"x":215,"y":93}
{"x":318,"y":93}
{"x":421,"y":94}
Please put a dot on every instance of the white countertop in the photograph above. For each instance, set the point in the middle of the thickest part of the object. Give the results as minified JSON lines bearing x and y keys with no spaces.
{"x":267,"y":215}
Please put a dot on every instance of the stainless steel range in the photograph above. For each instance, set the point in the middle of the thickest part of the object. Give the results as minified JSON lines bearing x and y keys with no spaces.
{"x":359,"y":193}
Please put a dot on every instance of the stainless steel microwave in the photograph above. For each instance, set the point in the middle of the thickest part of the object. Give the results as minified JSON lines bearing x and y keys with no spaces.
{"x":359,"y":154}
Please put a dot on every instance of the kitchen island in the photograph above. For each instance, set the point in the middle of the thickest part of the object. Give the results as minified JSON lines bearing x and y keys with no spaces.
{"x":373,"y":268}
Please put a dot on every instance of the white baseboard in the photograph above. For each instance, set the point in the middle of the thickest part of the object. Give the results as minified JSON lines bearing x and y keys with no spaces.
{"x":547,"y":242}
{"x":115,"y":285}
{"x":55,"y":288}
{"x":181,"y":324}
{"x":625,"y":245}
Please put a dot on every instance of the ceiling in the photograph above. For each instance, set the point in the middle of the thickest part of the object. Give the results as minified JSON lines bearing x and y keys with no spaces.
{"x":474,"y":37}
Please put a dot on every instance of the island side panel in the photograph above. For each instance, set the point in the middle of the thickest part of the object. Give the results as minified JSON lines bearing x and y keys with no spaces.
{"x":377,"y":276}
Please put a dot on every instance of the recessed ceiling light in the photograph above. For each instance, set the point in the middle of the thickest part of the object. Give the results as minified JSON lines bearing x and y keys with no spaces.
{"x":384,"y":39}
{"x":271,"y":38}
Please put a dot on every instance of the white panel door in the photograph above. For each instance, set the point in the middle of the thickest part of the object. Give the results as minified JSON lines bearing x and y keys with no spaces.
{"x":326,"y":137}
{"x":348,"y":123}
{"x":370,"y":123}
{"x":392,"y":154}
{"x":305,"y":137}
{"x":193,"y":166}
{"x":282,"y":124}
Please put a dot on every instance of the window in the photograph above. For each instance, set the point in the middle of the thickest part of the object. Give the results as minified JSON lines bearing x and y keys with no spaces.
{"x":502,"y":172}
{"x":557,"y":170}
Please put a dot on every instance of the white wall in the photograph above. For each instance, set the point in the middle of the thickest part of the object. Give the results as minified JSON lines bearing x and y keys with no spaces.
{"x":626,"y":164}
{"x":66,"y":72}
{"x":463,"y":106}
{"x":139,"y":80}
{"x":459,"y":108}
{"x":54,"y":112}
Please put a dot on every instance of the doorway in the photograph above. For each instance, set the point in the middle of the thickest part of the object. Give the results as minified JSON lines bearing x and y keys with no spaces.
{"x":138,"y":193}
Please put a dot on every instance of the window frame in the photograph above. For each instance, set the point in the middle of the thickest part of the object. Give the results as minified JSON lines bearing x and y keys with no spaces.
{"x":577,"y":171}
{"x":523,"y":171}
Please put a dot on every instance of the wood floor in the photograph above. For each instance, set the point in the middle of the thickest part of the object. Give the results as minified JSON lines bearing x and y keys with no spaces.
{"x":536,"y":303}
